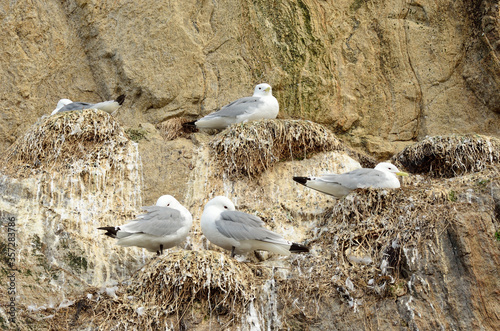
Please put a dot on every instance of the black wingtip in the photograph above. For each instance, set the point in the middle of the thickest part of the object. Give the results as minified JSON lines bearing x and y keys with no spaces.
{"x":111,"y":231}
{"x":190,"y":127}
{"x":120,"y":99}
{"x":301,"y":180}
{"x":299,"y":248}
{"x":189,"y":124}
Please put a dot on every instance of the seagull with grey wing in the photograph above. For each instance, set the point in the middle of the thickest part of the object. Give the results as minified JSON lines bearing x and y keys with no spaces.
{"x":240,"y":232}
{"x":60,"y":104}
{"x":384,"y":175}
{"x":165,"y":225}
{"x":107,"y":106}
{"x":259,"y":106}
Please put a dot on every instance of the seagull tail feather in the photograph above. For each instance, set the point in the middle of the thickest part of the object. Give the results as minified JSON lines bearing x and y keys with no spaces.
{"x":111,"y":231}
{"x":190,"y":126}
{"x":301,"y":180}
{"x":120,"y":99}
{"x":298,"y":248}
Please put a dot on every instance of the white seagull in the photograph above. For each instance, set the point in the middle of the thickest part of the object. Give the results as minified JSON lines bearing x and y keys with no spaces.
{"x":384,"y":175}
{"x":107,"y":106}
{"x":163,"y":226}
{"x":60,"y":104}
{"x":240,"y":232}
{"x":261,"y":105}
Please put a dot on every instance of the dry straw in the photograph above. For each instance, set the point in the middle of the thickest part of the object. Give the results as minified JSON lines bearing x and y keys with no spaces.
{"x":214,"y":279}
{"x":353,"y":238}
{"x":55,"y":143}
{"x":369,"y":245}
{"x":168,"y":292}
{"x":88,"y":146}
{"x":249,"y":149}
{"x":176,"y":127}
{"x":449,"y":156}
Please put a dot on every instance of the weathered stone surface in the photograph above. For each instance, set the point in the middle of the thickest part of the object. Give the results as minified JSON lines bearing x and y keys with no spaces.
{"x":381,"y":74}
{"x":482,"y":65}
{"x":42,"y":61}
{"x":386,"y":73}
{"x":445,"y":275}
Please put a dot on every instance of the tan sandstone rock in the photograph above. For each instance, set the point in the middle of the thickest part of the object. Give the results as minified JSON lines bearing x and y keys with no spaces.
{"x":381,"y":75}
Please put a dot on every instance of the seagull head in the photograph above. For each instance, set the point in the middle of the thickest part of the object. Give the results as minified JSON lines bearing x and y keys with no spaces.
{"x":60,"y":104}
{"x":220,"y":203}
{"x":168,"y":201}
{"x":63,"y":102}
{"x":262,"y":90}
{"x":388,"y":167}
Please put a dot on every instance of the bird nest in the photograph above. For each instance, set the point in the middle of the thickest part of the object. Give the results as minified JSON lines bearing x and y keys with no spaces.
{"x":178,"y":291}
{"x":218,"y":282}
{"x":59,"y":141}
{"x":368,"y":245}
{"x":365,"y":248}
{"x":352,"y":240}
{"x":176,"y":127}
{"x":248,"y":149}
{"x":450,"y":156}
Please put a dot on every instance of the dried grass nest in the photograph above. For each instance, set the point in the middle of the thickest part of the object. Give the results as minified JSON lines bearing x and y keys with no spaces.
{"x":352,"y":239}
{"x":350,"y":243}
{"x":56,"y":142}
{"x":176,"y":127}
{"x":450,"y":156}
{"x":176,"y":281}
{"x":167,"y":293}
{"x":248,"y":149}
{"x":368,"y":245}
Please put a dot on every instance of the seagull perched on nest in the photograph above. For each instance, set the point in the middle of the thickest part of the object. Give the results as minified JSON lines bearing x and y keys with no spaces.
{"x":107,"y":106}
{"x":163,"y":226}
{"x":261,"y":105}
{"x":383,"y":176}
{"x":240,"y":232}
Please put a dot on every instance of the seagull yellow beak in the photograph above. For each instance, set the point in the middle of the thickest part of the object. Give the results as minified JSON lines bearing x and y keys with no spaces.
{"x":401,"y":173}
{"x":267,"y":89}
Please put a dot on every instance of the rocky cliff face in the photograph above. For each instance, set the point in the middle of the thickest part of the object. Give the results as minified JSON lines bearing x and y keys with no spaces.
{"x":380,"y":75}
{"x":425,"y":256}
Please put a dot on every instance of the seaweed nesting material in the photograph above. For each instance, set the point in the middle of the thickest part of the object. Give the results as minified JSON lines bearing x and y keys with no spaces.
{"x":376,"y":240}
{"x":449,"y":156}
{"x":379,"y":216}
{"x":179,"y":279}
{"x":55,"y":142}
{"x":366,"y":225}
{"x":176,"y":127}
{"x":168,"y":292}
{"x":250,"y":148}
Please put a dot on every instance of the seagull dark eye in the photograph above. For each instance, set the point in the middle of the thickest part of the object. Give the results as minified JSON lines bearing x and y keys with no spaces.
{"x":225,"y":207}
